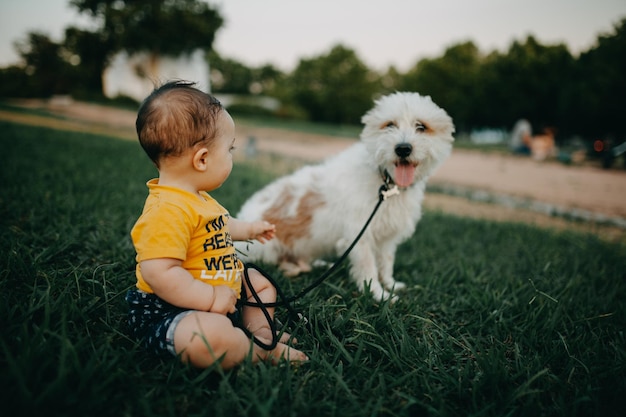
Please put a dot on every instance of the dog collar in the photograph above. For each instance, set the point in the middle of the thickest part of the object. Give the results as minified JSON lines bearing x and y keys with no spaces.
{"x":384,"y":174}
{"x":389,"y":187}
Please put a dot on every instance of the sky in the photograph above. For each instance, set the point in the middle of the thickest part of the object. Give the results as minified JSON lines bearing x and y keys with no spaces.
{"x":381,"y":32}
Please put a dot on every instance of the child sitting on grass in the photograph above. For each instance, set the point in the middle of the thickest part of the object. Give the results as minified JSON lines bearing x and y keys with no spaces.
{"x":189,"y":280}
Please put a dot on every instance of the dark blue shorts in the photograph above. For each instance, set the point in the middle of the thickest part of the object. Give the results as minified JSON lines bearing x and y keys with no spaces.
{"x":153,"y":321}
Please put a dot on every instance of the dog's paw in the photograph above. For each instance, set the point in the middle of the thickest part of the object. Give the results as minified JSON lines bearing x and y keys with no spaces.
{"x":387,"y":296}
{"x":380,"y":294}
{"x":391,"y":284}
{"x":342,"y":245}
{"x":320,"y":263}
{"x":394,"y":285}
{"x":293,"y":269}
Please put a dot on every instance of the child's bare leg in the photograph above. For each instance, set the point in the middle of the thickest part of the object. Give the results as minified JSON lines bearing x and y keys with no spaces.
{"x":203,"y":338}
{"x":256,"y":322}
{"x":253,"y":318}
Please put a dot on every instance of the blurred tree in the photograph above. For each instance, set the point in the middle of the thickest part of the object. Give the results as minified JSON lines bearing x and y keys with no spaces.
{"x":157,"y":28}
{"x":391,"y":81}
{"x":233,"y":77}
{"x":87,"y":52}
{"x":528,"y":82}
{"x":163,"y":27}
{"x":160,"y":27}
{"x":335,"y":88}
{"x":268,"y":78}
{"x":597,"y":97}
{"x":45,"y":69}
{"x":14,"y":82}
{"x":451,"y":81}
{"x":229,"y":76}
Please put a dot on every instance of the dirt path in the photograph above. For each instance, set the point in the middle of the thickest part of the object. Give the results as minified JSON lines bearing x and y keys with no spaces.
{"x":525,"y":190}
{"x":577,"y":187}
{"x":584,"y":188}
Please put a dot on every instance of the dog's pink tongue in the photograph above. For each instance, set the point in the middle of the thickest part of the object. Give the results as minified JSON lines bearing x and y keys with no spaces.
{"x":404,"y":174}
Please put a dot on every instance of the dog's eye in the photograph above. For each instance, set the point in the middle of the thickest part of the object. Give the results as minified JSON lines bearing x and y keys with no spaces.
{"x":420,"y":127}
{"x":389,"y":125}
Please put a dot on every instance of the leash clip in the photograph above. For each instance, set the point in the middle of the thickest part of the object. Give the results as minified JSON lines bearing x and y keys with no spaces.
{"x":389,"y":192}
{"x":385,"y":192}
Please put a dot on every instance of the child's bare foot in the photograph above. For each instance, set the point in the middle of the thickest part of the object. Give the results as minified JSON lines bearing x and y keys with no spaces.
{"x":281,"y":352}
{"x":287,"y":353}
{"x":265,"y":333}
{"x":286,"y":337}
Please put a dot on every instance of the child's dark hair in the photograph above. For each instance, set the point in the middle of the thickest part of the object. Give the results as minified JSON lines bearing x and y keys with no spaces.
{"x":175,"y":117}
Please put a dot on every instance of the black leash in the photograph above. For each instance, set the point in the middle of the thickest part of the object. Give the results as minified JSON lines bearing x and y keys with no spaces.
{"x":384,"y":192}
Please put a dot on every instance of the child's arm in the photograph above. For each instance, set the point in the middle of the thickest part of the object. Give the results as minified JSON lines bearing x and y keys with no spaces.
{"x":174,"y":284}
{"x":259,"y":230}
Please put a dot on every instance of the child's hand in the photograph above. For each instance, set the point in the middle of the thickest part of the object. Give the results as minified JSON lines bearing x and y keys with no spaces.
{"x":262,"y":231}
{"x":224,"y":300}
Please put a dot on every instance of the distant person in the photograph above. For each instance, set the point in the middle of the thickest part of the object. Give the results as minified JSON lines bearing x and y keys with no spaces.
{"x":543,"y":146}
{"x":521,"y":137}
{"x":189,"y":279}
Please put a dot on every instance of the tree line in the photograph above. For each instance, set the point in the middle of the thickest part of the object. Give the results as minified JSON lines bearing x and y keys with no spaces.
{"x":582,"y":95}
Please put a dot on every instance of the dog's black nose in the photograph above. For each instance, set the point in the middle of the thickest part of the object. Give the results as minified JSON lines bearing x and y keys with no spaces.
{"x":403,"y":149}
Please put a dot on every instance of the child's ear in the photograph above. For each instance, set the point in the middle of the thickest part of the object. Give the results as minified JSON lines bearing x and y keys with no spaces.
{"x":200,"y":159}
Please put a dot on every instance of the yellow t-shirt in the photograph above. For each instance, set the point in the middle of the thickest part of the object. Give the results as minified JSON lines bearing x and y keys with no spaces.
{"x":178,"y":224}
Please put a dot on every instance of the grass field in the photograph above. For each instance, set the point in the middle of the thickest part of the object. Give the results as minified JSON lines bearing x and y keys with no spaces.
{"x":498,"y":319}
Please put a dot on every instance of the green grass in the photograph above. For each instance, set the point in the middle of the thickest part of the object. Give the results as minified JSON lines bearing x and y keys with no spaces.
{"x":498,"y":319}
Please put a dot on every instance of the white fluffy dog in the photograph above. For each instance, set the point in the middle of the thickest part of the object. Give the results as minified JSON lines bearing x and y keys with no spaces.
{"x":319,"y":210}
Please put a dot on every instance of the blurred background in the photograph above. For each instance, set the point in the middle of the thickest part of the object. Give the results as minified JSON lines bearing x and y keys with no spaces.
{"x":506,"y":71}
